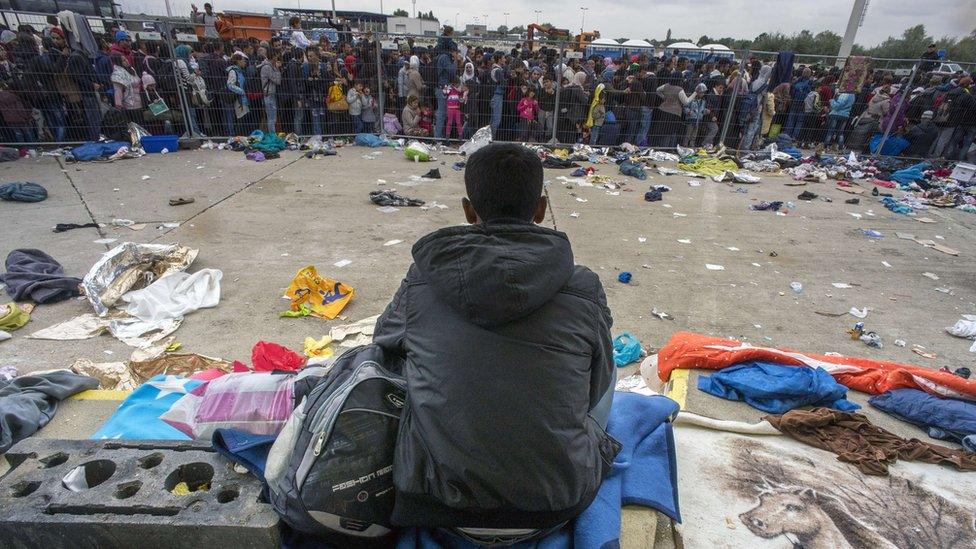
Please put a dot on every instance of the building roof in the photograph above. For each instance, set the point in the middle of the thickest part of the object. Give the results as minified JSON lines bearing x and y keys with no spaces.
{"x":682,"y":46}
{"x":637,"y":43}
{"x":604,"y":42}
{"x":715,"y":47}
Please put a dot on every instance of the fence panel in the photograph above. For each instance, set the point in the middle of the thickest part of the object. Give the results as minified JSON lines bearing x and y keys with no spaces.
{"x":170,"y":80}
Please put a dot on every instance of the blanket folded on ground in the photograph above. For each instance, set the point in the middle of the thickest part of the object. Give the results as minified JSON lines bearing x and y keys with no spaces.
{"x":32,"y":274}
{"x":775,"y":388}
{"x":28,"y":403}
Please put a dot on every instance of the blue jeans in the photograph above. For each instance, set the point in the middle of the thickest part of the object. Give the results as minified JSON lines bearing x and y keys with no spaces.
{"x":793,"y":121}
{"x":835,"y":128}
{"x":964,"y":134}
{"x":496,"y":113}
{"x":317,"y":114}
{"x":229,"y":117}
{"x":22,"y":133}
{"x":631,"y":124}
{"x":595,"y":135}
{"x":271,"y":112}
{"x":300,"y":116}
{"x":54,"y":119}
{"x":357,"y":123}
{"x":440,"y":117}
{"x":749,"y":135}
{"x":645,"y":126}
{"x":93,"y":115}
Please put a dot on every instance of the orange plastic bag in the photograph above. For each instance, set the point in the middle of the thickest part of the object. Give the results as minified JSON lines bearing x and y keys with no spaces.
{"x":325,"y":297}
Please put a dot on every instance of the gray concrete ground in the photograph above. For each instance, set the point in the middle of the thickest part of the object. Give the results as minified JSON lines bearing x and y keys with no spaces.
{"x":262,"y":222}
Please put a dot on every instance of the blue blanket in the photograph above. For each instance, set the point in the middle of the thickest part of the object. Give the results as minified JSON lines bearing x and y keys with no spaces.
{"x":941,"y":418}
{"x":775,"y":388}
{"x":910,"y":174}
{"x":138,"y":415}
{"x":93,"y":150}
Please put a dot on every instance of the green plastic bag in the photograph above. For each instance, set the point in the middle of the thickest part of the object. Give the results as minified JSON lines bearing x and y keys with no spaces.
{"x":417,"y":151}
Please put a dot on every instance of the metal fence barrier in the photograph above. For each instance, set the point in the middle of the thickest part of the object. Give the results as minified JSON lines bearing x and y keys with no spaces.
{"x":172,"y":81}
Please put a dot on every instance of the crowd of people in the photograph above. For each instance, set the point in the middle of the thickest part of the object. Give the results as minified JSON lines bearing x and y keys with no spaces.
{"x":447,"y":91}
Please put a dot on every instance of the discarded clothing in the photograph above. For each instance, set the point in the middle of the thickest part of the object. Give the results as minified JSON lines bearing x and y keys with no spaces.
{"x":644,"y":471}
{"x":857,"y":441}
{"x":652,"y":196}
{"x":777,"y":389}
{"x":269,"y":143}
{"x":28,"y":403}
{"x":941,"y":418}
{"x":558,"y":163}
{"x":895,"y":206}
{"x":326,"y":297}
{"x":245,"y":448}
{"x":691,"y":350}
{"x":96,"y":150}
{"x":369,"y":140}
{"x":911,"y":174}
{"x":766,"y":205}
{"x":391,"y":198}
{"x":23,"y":192}
{"x":138,"y":417}
{"x":166,"y":301}
{"x":32,"y":274}
{"x":256,"y":156}
{"x":633,"y":169}
{"x":8,"y":154}
{"x":706,"y":165}
{"x":12,"y":317}
{"x":131,"y":266}
{"x":62,"y":227}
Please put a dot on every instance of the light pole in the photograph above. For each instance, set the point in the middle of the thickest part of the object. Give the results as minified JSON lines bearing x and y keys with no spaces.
{"x":506,"y":14}
{"x":583,"y":18}
{"x":414,"y":8}
{"x":456,"y":19}
{"x":485,"y":15}
{"x":537,"y":14}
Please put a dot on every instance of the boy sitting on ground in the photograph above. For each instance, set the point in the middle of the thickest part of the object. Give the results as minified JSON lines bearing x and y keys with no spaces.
{"x":506,"y":349}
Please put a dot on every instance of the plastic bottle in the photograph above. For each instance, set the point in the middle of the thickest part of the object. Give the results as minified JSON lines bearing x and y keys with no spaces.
{"x":797,"y":287}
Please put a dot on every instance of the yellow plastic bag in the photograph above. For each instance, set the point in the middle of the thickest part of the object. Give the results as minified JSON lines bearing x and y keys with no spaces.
{"x":318,"y":348}
{"x":326,"y":297}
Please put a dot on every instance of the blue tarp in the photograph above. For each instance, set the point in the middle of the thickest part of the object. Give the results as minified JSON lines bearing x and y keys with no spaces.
{"x":894,"y":146}
{"x":369,"y":140}
{"x":93,"y":150}
{"x":776,"y":388}
{"x":941,"y":418}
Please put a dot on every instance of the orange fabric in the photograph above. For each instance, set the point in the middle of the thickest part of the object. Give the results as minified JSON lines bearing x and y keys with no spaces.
{"x":691,"y":350}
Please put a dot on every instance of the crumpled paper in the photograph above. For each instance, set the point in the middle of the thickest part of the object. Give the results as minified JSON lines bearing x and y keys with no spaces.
{"x":363,"y":330}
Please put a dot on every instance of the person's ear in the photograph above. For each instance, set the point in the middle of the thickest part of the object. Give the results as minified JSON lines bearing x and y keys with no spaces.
{"x":470,"y":215}
{"x":540,"y":210}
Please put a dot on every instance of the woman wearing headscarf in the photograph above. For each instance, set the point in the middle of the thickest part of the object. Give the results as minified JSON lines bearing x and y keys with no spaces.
{"x":128,"y":89}
{"x":184,"y":81}
{"x":572,"y":109}
{"x":415,"y":82}
{"x":472,"y":112}
{"x":781,"y":98}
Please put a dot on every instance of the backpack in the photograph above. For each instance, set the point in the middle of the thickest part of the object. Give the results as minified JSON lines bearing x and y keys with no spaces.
{"x":330,"y":471}
{"x":336,"y":100}
{"x":252,"y":83}
{"x":115,"y":126}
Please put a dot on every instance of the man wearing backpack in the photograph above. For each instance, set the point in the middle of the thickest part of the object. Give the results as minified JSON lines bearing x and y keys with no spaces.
{"x":947,"y":116}
{"x":505,"y":346}
{"x":215,"y":76}
{"x":962,"y":117}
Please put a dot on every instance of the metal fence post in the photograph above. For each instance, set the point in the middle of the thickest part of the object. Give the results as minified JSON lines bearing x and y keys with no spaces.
{"x":893,"y":113}
{"x":558,"y":77}
{"x":380,"y":91}
{"x":731,"y":107}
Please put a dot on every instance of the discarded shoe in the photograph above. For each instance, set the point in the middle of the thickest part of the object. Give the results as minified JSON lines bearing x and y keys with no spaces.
{"x":179,"y":201}
{"x":852,"y":201}
{"x":807,"y":195}
{"x":433,"y":174}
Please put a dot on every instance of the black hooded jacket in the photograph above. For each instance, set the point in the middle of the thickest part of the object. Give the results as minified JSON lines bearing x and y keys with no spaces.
{"x":505,"y":345}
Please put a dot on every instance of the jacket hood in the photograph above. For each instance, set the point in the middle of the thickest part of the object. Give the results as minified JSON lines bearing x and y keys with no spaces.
{"x":495,"y":273}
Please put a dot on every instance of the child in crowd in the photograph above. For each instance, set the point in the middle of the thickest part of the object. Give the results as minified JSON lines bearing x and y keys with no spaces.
{"x":354,"y":97}
{"x":370,"y":109}
{"x":505,"y":346}
{"x":455,"y":100}
{"x":599,"y":115}
{"x":426,"y":116}
{"x":528,"y":109}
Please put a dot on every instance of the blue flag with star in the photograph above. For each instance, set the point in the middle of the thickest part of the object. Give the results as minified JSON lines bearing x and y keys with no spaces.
{"x":138,"y":415}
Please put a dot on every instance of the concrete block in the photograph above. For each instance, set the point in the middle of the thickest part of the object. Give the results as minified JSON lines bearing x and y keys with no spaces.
{"x":128,"y":500}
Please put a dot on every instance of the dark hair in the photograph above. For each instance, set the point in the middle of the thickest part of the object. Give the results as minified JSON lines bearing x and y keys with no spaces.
{"x":504,"y":180}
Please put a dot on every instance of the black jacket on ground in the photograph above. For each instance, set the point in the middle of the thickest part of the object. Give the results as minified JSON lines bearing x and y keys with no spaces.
{"x":505,"y":345}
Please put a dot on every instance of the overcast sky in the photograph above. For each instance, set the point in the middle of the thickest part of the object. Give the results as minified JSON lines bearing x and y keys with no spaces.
{"x":652,"y":18}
